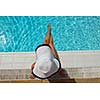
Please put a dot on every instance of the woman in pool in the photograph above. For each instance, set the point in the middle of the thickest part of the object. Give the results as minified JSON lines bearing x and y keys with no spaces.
{"x":47,"y":60}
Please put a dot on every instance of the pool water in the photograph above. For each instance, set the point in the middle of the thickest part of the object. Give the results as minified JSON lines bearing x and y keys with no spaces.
{"x":25,"y":33}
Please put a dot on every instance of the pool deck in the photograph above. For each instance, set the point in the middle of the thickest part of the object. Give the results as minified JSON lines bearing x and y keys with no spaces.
{"x":79,"y":66}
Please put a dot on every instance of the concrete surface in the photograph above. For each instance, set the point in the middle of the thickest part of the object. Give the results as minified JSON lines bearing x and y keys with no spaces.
{"x":78,"y":65}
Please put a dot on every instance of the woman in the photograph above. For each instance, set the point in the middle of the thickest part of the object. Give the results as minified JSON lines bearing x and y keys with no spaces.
{"x":47,"y":60}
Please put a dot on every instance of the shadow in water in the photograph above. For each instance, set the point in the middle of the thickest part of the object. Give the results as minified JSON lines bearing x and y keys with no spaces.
{"x":61,"y":77}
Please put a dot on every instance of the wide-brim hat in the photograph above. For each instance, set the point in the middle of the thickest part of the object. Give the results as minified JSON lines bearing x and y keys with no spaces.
{"x":46,"y":67}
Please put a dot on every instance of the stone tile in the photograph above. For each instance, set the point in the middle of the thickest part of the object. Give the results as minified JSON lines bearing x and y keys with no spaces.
{"x":6,"y":66}
{"x":6,"y":59}
{"x":92,"y":75}
{"x":76,"y":75}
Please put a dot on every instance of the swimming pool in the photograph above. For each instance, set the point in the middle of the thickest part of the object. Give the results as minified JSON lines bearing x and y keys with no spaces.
{"x":25,"y":33}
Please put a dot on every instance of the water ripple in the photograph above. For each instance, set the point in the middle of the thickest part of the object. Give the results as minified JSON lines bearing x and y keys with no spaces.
{"x":25,"y":33}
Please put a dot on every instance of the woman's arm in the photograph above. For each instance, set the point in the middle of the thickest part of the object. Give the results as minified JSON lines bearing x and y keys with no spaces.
{"x":31,"y":75}
{"x":32,"y":67}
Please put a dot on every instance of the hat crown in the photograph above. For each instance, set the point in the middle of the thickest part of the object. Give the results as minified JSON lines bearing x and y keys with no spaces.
{"x":45,"y":66}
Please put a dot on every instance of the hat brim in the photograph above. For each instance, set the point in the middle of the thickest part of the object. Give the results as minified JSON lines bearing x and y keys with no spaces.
{"x":53,"y":70}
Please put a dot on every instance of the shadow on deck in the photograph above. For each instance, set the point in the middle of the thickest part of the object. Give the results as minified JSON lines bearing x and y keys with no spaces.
{"x":61,"y":77}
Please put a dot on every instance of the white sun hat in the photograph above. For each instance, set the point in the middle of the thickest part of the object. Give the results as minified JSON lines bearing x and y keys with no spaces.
{"x":46,"y":64}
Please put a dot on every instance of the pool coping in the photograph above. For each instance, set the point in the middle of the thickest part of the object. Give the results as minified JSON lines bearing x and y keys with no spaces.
{"x":69,"y":59}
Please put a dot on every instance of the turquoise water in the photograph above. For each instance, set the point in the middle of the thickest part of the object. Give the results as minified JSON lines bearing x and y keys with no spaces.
{"x":25,"y":33}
